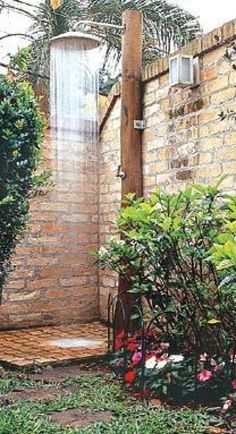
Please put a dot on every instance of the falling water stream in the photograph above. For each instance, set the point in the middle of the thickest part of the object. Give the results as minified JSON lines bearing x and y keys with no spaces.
{"x":73,"y":96}
{"x":74,"y":149}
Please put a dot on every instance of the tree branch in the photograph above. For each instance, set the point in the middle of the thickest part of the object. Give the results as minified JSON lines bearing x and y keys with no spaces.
{"x":33,"y":74}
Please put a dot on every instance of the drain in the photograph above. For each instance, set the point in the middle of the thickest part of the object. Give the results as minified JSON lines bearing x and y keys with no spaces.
{"x":75,"y":343}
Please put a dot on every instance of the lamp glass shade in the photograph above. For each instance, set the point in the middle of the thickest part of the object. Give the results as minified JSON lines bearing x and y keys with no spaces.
{"x":181,"y":70}
{"x":185,"y":69}
{"x":174,"y":70}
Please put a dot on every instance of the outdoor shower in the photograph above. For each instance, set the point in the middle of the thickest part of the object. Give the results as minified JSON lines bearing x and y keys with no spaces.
{"x":74,"y":115}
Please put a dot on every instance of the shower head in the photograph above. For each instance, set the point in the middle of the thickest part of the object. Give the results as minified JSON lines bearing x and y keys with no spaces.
{"x":88,"y":42}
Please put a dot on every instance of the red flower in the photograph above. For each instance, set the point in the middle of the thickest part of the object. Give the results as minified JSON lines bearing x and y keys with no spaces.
{"x":139,"y":332}
{"x":118,"y":345}
{"x":151,"y":332}
{"x":234,"y":384}
{"x":129,"y":376}
{"x":121,"y":335}
{"x":131,"y":344}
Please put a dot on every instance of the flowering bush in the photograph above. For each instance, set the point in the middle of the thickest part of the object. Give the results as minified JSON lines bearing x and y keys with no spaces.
{"x":151,"y":366}
{"x":174,"y":254}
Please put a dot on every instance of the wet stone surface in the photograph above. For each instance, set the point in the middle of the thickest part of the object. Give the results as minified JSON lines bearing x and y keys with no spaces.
{"x":53,"y":345}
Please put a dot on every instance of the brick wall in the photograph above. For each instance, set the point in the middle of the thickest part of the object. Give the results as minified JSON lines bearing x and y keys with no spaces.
{"x":184,"y":140}
{"x":110,"y":195}
{"x":55,"y":279}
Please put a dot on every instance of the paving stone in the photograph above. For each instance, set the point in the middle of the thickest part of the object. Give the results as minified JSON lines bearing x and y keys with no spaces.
{"x":79,"y":418}
{"x":32,"y":395}
{"x":2,"y":371}
{"x":60,"y":373}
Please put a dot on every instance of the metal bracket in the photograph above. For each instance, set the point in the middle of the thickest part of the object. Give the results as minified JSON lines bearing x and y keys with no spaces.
{"x":139,"y":124}
{"x":120,"y":173}
{"x":98,"y":24}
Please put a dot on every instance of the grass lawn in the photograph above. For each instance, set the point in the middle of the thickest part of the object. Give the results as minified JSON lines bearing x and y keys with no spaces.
{"x":91,"y":392}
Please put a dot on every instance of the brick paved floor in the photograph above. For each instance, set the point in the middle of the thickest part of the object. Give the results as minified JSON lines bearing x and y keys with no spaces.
{"x":27,"y":347}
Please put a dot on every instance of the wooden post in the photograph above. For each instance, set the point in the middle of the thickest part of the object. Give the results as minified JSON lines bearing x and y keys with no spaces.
{"x":131,"y":138}
{"x":131,"y":103}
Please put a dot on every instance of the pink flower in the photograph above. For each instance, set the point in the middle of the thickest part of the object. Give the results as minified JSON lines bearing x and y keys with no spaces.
{"x":204,"y":376}
{"x":120,"y":362}
{"x":164,"y":356}
{"x":136,"y":358}
{"x":227,"y":405}
{"x":218,"y":368}
{"x":203,"y":357}
{"x":164,"y":345}
{"x":234,"y":384}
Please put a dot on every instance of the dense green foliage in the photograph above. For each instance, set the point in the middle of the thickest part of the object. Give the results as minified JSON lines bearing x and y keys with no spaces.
{"x":223,"y":252}
{"x":167,"y":242}
{"x":92,"y":393}
{"x":20,"y":137}
{"x":177,"y":253}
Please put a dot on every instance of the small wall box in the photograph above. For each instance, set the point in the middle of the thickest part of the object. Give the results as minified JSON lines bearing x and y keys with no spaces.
{"x":181,"y":70}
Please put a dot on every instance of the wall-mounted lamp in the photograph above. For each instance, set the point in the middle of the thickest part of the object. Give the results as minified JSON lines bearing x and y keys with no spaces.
{"x":184,"y":70}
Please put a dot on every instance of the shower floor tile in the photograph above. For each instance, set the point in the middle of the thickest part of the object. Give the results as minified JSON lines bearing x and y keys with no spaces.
{"x":53,"y":344}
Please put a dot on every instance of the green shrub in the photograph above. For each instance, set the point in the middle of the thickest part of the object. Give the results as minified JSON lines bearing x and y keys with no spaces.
{"x":223,"y":252}
{"x":168,"y":253}
{"x":20,"y":136}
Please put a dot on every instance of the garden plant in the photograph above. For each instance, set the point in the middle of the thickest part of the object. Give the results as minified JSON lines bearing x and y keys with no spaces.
{"x":20,"y":137}
{"x":177,"y":254}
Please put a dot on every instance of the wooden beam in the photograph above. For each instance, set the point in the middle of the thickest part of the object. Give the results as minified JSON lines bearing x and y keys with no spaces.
{"x":131,"y":139}
{"x":131,"y":103}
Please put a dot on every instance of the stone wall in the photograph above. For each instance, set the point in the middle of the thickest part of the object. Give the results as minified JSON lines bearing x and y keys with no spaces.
{"x":55,"y":278}
{"x":184,"y":140}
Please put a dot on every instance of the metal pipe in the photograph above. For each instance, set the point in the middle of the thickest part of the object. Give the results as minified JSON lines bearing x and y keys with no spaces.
{"x":97,"y":24}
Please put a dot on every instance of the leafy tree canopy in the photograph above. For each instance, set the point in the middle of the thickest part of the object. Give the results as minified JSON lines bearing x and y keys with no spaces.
{"x":166,"y":26}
